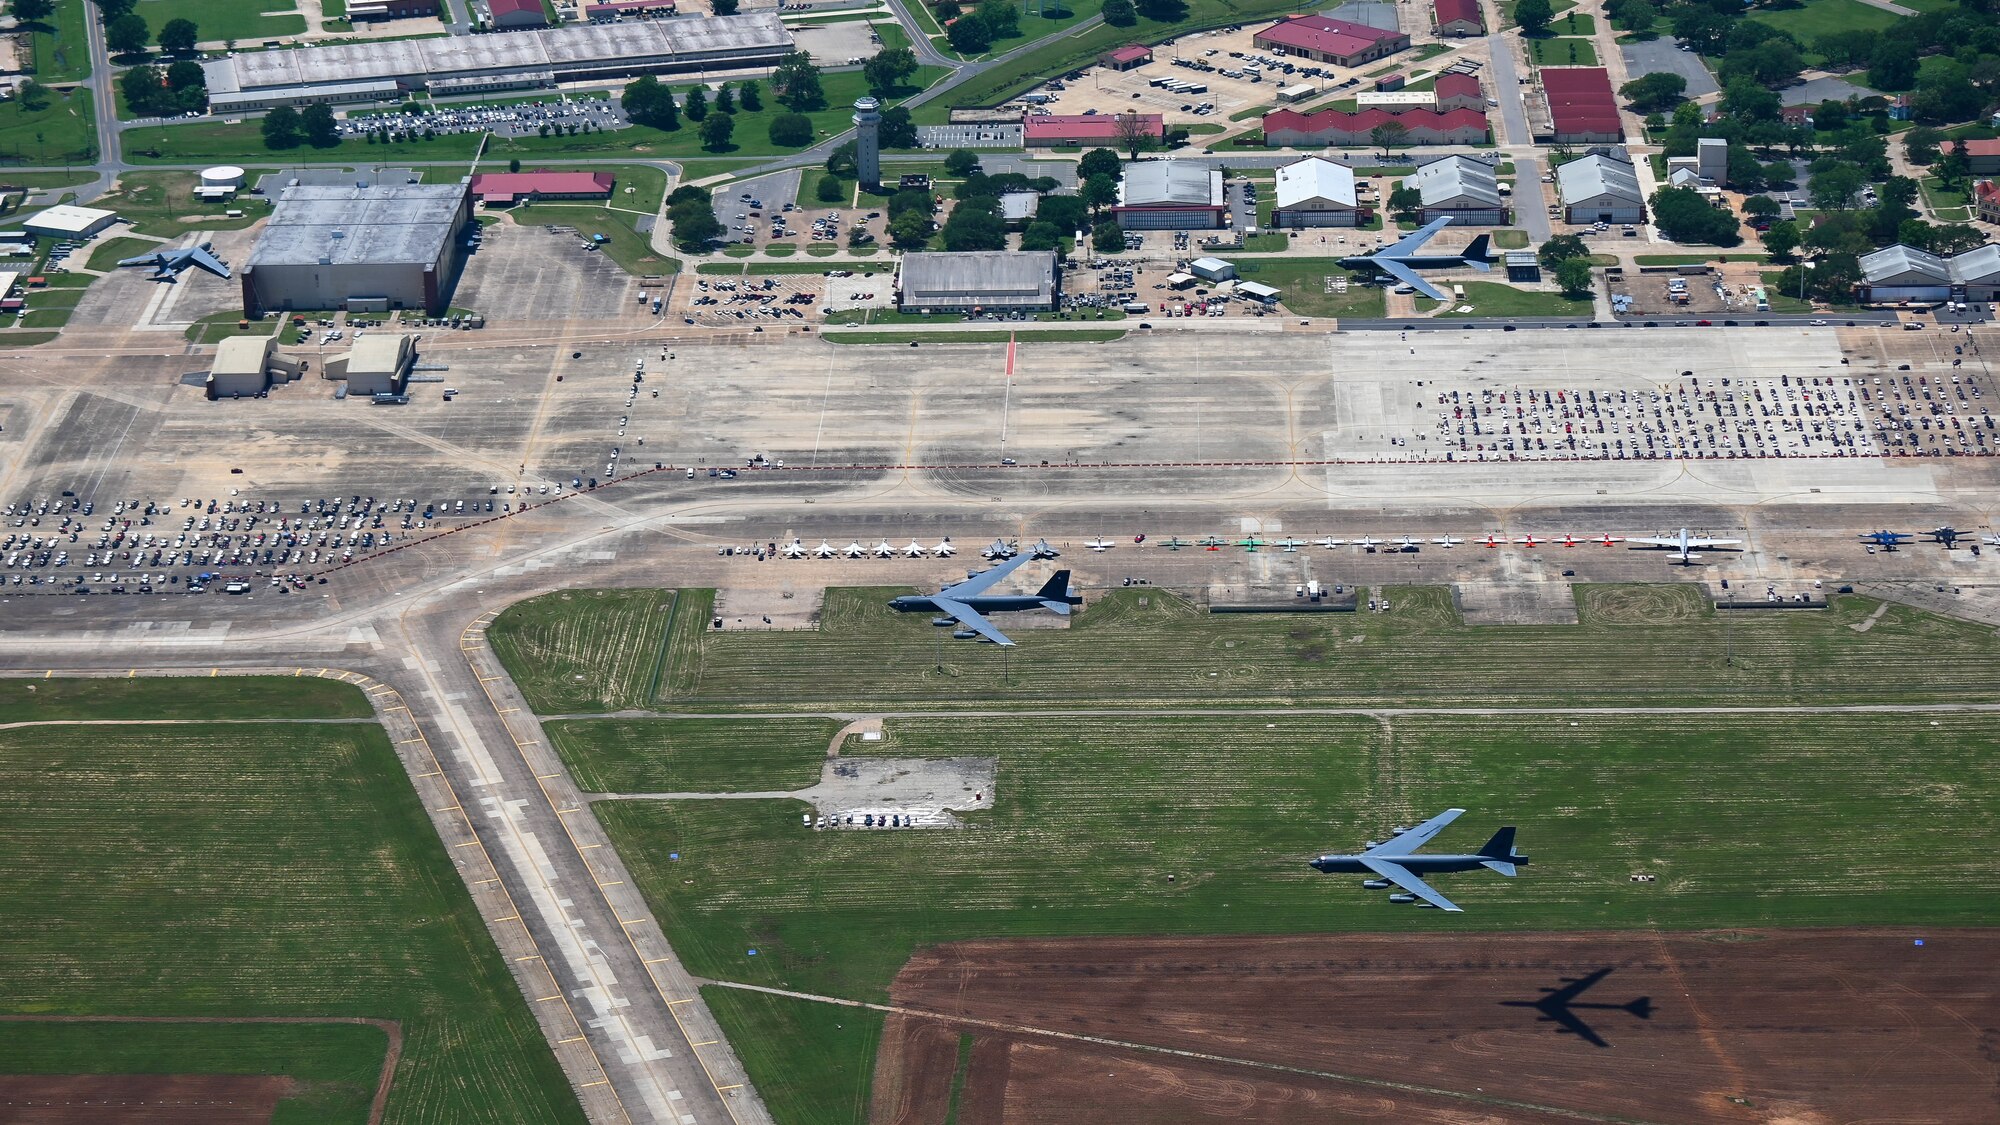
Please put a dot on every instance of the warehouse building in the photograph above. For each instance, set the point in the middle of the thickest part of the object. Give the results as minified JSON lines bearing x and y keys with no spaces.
{"x":246,"y":366}
{"x":359,"y":246}
{"x":1458,"y":19}
{"x":1090,"y":130}
{"x":1285,"y":128}
{"x":504,"y":189}
{"x":69,"y":221}
{"x":1600,"y":188}
{"x":373,"y":70}
{"x":376,"y":365}
{"x":979,"y":281}
{"x":1462,"y":189}
{"x":1582,"y":108}
{"x":1983,"y":157}
{"x":1902,"y":274}
{"x":1171,"y":195}
{"x":1316,"y":193}
{"x":1326,"y":39}
{"x":1454,"y":90}
{"x":1127,"y":57}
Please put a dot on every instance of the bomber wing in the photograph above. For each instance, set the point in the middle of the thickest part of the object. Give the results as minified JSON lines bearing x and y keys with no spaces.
{"x":1409,"y":277}
{"x":1415,"y":240}
{"x":152,"y":259}
{"x":1416,"y":837}
{"x":1402,"y":876}
{"x":980,"y":583}
{"x":202,"y":259}
{"x":970,"y":618}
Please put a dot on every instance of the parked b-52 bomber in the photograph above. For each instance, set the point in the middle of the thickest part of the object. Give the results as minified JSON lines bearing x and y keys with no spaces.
{"x":1396,"y":863}
{"x":966,"y":603}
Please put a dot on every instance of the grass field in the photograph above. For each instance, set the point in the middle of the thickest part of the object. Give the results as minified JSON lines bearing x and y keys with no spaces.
{"x":1492,"y":298}
{"x":240,"y":870}
{"x":247,"y":21}
{"x":692,"y":755}
{"x":1561,"y":52}
{"x":1303,"y":281}
{"x":62,"y":131}
{"x":164,"y":204}
{"x":811,"y":1063}
{"x":1825,"y":17}
{"x":592,"y":650}
{"x":61,"y":53}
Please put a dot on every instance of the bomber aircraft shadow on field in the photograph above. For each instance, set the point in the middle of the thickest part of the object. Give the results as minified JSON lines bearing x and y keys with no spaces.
{"x":1560,"y":1006}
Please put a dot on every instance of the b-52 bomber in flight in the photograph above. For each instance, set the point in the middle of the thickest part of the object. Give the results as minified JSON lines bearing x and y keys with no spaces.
{"x":1395,"y":862}
{"x":966,"y":603}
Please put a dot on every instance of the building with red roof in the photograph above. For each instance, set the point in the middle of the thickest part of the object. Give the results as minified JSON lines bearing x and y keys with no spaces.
{"x":1127,"y":57}
{"x":1582,"y":107}
{"x":1458,"y":91}
{"x":1986,"y":196}
{"x":1330,"y":40}
{"x":1982,"y":156}
{"x":1458,"y":18}
{"x":1097,"y":130}
{"x":1286,"y":128}
{"x":504,"y":189}
{"x":516,"y":13}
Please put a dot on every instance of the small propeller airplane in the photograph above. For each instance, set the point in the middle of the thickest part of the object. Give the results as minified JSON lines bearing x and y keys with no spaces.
{"x":1212,"y":542}
{"x":1887,"y":540}
{"x":1608,"y":540}
{"x":1395,"y":861}
{"x":1406,"y":543}
{"x":1682,"y":543}
{"x":1289,"y":545}
{"x":1947,"y":536}
{"x":1447,"y":542}
{"x":1252,"y":543}
{"x":1366,"y":542}
{"x":1530,"y":542}
{"x":1492,"y":540}
{"x":1099,"y":544}
{"x":1176,"y":543}
{"x":1329,"y":542}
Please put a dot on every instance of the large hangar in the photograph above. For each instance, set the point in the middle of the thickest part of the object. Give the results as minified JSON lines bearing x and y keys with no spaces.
{"x":361,"y":246}
{"x":987,"y":280}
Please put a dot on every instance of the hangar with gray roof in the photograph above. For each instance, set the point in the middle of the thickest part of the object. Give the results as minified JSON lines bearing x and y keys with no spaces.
{"x":362,"y":246}
{"x":986,"y":280}
{"x":384,"y":69}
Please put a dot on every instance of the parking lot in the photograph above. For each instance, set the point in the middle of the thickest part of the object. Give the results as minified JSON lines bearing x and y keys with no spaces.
{"x":556,"y":113}
{"x":969,"y":136}
{"x":1664,"y":55}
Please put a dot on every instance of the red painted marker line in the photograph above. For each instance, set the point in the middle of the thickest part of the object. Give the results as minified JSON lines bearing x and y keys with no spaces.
{"x":1010,"y":355}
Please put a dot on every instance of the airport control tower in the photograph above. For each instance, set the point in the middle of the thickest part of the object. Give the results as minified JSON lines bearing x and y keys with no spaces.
{"x":868,"y":141}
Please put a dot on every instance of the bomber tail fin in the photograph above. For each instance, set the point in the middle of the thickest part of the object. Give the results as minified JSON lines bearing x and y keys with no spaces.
{"x":1477,"y":251}
{"x":1055,"y":593}
{"x":1501,"y":847}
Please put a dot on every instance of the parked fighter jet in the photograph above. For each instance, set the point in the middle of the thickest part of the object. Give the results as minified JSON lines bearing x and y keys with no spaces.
{"x":884,"y":551}
{"x":1402,"y":261}
{"x":795,"y":550}
{"x":167,"y":265}
{"x":1682,"y":544}
{"x":965,"y":603}
{"x":1000,"y":549}
{"x":855,"y":551}
{"x":915,"y":550}
{"x":944,"y":549}
{"x":1044,"y":551}
{"x":824,"y":550}
{"x":1560,"y":1005}
{"x":1887,"y":540}
{"x":1396,"y":861}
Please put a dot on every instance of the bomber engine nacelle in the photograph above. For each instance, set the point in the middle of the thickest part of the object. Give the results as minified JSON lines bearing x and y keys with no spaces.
{"x":1402,"y":898}
{"x":942,"y":622}
{"x":1375,"y":884}
{"x":964,"y":635}
{"x":1372,"y":844}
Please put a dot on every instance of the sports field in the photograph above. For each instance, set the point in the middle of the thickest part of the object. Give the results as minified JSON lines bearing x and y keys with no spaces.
{"x":1115,"y":815}
{"x":227,"y":871}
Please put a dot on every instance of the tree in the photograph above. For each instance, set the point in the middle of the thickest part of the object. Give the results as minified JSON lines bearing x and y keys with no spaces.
{"x":897,"y":129}
{"x":649,"y":103}
{"x":716,"y":130}
{"x":33,"y":96}
{"x":1778,"y":174}
{"x":959,"y":163}
{"x":127,"y":35}
{"x":1761,"y":207}
{"x":1534,"y":16}
{"x":1660,"y":90}
{"x":1834,"y":188}
{"x":725,"y":101}
{"x":1120,"y":13}
{"x":1892,"y":65}
{"x":319,"y":127}
{"x":696,"y":104}
{"x":1921,"y":144}
{"x":514,"y":165}
{"x":1163,"y":11}
{"x":33,"y":11}
{"x":144,"y":88}
{"x":1562,"y":248}
{"x":751,"y":96}
{"x":186,"y":74}
{"x":1635,"y":16}
{"x":1107,"y":237}
{"x":796,"y":83}
{"x":947,"y":11}
{"x":1001,"y":17}
{"x":1404,"y":200}
{"x":281,"y":128}
{"x":911,"y":228}
{"x":1390,"y":134}
{"x":790,"y":130}
{"x":910,"y":199}
{"x":969,"y":34}
{"x":1099,"y":192}
{"x":109,"y":10}
{"x":693,"y":220}
{"x":975,"y":225}
{"x":1685,"y":216}
{"x":177,"y":36}
{"x":1066,"y":212}
{"x":1099,"y":162}
{"x":723,"y":7}
{"x":1781,"y":239}
{"x":1041,"y":235}
{"x":830,"y":189}
{"x":841,"y":161}
{"x":1573,"y":274}
{"x":1133,"y":134}
{"x":886,"y":71}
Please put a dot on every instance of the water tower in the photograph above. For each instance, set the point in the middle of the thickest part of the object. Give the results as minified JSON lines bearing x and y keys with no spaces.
{"x":868,"y":141}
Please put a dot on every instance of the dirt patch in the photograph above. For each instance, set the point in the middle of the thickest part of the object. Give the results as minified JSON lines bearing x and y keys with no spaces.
{"x":132,"y":1099}
{"x":1776,"y":1025}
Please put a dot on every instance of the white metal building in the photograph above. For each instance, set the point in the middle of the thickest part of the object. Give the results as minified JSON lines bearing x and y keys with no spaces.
{"x":1171,"y":195}
{"x":1211,"y":269}
{"x":1315,"y":193}
{"x":989,"y":280}
{"x":1600,"y":188}
{"x":1463,"y":189}
{"x":1899,"y":273}
{"x":376,"y":365}
{"x":326,"y":246}
{"x":246,"y":366}
{"x":69,"y":221}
